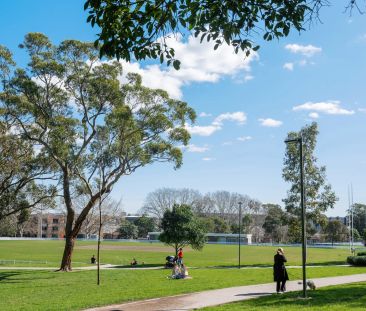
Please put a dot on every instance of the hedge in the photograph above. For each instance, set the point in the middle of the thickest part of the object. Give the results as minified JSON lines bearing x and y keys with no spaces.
{"x":356,"y":260}
{"x":361,"y":254}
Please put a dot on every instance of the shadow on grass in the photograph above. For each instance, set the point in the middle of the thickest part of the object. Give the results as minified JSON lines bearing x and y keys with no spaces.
{"x":317,"y":264}
{"x":351,"y":295}
{"x":6,"y":276}
{"x":21,"y":276}
{"x":254,"y":294}
{"x":140,"y":266}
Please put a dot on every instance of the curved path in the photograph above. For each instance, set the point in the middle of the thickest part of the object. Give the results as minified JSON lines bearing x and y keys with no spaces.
{"x":220,"y":296}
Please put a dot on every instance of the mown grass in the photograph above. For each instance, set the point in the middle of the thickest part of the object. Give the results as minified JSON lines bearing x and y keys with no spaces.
{"x":48,"y":254}
{"x":335,"y":298}
{"x":46,"y":290}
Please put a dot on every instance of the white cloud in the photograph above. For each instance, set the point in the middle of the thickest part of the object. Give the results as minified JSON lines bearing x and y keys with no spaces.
{"x":314,"y":115}
{"x":244,"y":138}
{"x":208,"y":159}
{"x":207,"y":130}
{"x":196,"y":149}
{"x":199,"y":63}
{"x":362,"y":110}
{"x":227,"y":143}
{"x":239,"y":117}
{"x":328,"y":107}
{"x":268,"y":122}
{"x":306,"y":50}
{"x":288,"y":66}
{"x":204,"y":114}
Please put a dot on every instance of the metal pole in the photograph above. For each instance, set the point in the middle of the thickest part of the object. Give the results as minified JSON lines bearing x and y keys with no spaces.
{"x":353,"y":247}
{"x":303,"y":219}
{"x":349,"y":220}
{"x":240,"y":203}
{"x":303,"y":210}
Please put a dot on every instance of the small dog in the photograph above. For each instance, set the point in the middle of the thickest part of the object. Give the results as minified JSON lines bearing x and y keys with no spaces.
{"x":310,"y":284}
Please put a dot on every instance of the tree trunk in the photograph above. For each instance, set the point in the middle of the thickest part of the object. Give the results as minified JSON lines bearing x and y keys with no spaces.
{"x":66,"y":258}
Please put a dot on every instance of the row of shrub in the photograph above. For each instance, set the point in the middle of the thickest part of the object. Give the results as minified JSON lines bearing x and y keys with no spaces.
{"x":359,"y":260}
{"x":361,"y":254}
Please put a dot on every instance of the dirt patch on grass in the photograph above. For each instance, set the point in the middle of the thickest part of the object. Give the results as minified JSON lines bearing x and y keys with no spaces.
{"x":142,"y":248}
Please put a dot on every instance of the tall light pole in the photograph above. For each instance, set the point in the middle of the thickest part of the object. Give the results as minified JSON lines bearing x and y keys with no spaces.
{"x":303,"y":212}
{"x":240,"y":203}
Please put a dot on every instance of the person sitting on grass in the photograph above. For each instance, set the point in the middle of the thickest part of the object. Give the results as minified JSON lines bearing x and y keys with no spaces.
{"x":134,"y":262}
{"x":183,"y":271}
{"x":176,"y":272}
{"x":93,"y":260}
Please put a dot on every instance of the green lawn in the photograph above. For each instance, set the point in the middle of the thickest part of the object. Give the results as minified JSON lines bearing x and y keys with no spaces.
{"x":46,"y":290}
{"x":48,"y":253}
{"x":335,"y":298}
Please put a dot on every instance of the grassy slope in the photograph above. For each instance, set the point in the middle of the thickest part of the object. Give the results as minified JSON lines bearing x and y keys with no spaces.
{"x":335,"y":298}
{"x":211,"y":255}
{"x":45,"y":290}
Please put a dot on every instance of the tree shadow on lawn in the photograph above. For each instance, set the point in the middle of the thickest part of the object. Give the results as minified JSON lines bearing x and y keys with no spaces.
{"x":13,"y":276}
{"x":327,"y":263}
{"x":354,"y":295}
{"x":140,"y":266}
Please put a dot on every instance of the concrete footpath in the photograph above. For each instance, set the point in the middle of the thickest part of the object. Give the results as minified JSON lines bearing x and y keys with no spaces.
{"x":220,"y":296}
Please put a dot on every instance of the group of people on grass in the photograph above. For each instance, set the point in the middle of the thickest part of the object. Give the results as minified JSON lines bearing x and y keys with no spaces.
{"x":179,"y":270}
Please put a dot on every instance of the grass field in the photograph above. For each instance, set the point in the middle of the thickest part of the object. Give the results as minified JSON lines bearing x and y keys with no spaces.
{"x":48,"y":254}
{"x":46,"y":290}
{"x":335,"y":298}
{"x":212,"y":268}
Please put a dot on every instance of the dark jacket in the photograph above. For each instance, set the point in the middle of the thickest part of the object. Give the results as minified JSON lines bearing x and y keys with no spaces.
{"x":279,"y":269}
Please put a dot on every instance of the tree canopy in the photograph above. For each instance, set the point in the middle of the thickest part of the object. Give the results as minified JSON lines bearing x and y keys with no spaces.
{"x":319,"y":195}
{"x":139,"y":29}
{"x":90,"y":128}
{"x":182,"y":228}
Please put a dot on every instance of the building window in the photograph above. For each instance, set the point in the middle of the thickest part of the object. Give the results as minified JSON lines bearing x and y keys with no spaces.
{"x":54,"y":235}
{"x":55,"y":220}
{"x":54,"y":228}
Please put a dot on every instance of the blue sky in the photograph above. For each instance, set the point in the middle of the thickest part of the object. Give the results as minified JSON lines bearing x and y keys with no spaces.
{"x":245,"y":106}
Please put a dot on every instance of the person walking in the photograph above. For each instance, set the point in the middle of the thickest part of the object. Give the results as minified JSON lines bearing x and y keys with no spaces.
{"x":279,"y":271}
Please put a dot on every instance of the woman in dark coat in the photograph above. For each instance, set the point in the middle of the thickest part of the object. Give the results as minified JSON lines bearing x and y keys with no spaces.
{"x":279,"y":271}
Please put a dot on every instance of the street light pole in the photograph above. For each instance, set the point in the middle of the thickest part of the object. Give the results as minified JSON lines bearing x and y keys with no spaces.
{"x":240,"y":203}
{"x":303,"y":212}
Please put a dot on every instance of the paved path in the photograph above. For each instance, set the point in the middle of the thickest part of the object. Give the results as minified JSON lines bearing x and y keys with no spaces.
{"x":221,"y":296}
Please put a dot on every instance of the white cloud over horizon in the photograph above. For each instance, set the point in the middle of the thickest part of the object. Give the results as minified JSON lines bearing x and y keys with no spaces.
{"x":269,"y":122}
{"x":208,"y":159}
{"x":238,"y":117}
{"x":196,"y":149}
{"x":288,"y":66}
{"x":244,"y":138}
{"x":204,"y":114}
{"x":199,"y":63}
{"x":305,"y":50}
{"x":330,"y":107}
{"x":314,"y":115}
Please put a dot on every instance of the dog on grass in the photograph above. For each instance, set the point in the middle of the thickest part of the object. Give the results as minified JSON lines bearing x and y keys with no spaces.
{"x":310,"y":284}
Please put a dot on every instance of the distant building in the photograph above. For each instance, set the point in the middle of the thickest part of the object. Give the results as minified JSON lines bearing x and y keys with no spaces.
{"x":45,"y":226}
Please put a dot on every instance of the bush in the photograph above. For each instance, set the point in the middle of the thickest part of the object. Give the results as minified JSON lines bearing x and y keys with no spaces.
{"x":361,"y":254}
{"x":356,"y":260}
